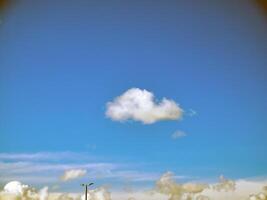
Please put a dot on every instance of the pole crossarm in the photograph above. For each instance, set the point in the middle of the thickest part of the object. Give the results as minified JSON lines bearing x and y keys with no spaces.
{"x":86,"y":188}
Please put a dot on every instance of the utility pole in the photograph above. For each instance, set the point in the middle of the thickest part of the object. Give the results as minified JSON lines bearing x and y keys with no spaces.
{"x":86,"y":188}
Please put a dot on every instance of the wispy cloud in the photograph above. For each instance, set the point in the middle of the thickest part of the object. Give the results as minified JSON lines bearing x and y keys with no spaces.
{"x":191,"y":112}
{"x":43,"y":156}
{"x":140,"y":105}
{"x":32,"y":179}
{"x":73,"y":174}
{"x":178,"y":134}
{"x":46,"y":169}
{"x":133,"y":175}
{"x":31,"y":167}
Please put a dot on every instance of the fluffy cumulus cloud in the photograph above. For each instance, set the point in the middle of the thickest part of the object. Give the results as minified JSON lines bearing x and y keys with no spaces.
{"x":140,"y":105}
{"x":224,"y":189}
{"x":18,"y":191}
{"x":260,"y":196}
{"x":236,"y":190}
{"x":15,"y":187}
{"x":73,"y":174}
{"x":15,"y":190}
{"x":167,"y":185}
{"x":224,"y":185}
{"x":244,"y":190}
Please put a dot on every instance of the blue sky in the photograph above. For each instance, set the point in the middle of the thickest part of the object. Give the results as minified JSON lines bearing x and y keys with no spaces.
{"x":60,"y":63}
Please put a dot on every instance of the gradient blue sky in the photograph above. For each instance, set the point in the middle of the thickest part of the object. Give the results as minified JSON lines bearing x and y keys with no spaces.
{"x":62,"y":61}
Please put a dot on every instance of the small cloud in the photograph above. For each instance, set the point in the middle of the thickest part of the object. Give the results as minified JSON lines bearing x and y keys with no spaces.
{"x":140,"y":105}
{"x":191,"y":112}
{"x":178,"y":134}
{"x":16,"y":187}
{"x":73,"y":174}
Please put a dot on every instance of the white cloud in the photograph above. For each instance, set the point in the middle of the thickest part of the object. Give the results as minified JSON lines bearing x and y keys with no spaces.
{"x":35,"y":167}
{"x":139,"y":105}
{"x":73,"y":174}
{"x":260,"y":196}
{"x":43,"y":193}
{"x":15,"y":190}
{"x":225,"y":189}
{"x":131,"y":175}
{"x":244,"y":190}
{"x":224,"y":185}
{"x":178,"y":134}
{"x":43,"y":156}
{"x":100,"y":193}
{"x":15,"y":187}
{"x":137,"y":195}
{"x":176,"y":191}
{"x":32,"y":156}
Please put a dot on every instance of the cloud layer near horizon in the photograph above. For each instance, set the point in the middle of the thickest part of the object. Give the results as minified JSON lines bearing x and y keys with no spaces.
{"x":166,"y":188}
{"x":45,"y":173}
{"x":139,"y":105}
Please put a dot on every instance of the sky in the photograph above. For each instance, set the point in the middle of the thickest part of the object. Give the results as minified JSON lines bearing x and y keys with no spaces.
{"x":127,"y":90}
